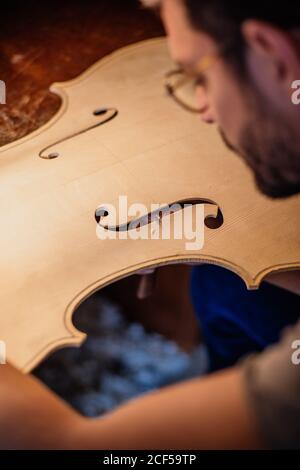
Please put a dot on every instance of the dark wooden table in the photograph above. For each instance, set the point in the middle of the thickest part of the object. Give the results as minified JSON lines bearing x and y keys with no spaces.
{"x":46,"y":42}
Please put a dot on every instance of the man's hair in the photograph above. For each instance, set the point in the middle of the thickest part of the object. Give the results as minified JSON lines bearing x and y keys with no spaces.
{"x":222,"y":19}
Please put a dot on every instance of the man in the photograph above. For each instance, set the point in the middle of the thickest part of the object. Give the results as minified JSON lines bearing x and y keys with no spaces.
{"x":253,"y":56}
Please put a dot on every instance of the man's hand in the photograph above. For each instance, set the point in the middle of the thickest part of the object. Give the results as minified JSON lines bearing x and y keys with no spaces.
{"x":31,"y":416}
{"x":209,"y":413}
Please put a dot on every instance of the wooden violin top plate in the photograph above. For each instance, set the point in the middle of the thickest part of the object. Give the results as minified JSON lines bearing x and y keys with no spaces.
{"x":152,"y":152}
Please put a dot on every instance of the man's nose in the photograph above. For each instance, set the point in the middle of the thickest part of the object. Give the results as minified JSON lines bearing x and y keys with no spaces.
{"x":206,"y":113}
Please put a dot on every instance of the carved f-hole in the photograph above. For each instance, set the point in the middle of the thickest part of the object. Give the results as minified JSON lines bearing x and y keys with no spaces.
{"x":212,"y":221}
{"x":50,"y":152}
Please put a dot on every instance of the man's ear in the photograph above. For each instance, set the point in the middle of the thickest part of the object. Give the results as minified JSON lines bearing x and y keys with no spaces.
{"x":276,"y":48}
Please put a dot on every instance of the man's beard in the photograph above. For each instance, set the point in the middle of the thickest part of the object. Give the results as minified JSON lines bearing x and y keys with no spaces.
{"x":269,"y":161}
{"x":271,"y":151}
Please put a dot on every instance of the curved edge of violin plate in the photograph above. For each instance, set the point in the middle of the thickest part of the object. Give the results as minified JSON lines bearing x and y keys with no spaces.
{"x":60,"y":89}
{"x":75,"y":339}
{"x":56,"y":87}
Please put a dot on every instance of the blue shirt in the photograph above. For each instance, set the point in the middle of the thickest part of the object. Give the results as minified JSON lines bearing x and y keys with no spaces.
{"x":235,"y":321}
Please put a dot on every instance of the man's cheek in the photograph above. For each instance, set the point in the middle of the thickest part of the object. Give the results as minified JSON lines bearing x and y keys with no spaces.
{"x":201,"y":98}
{"x":231,"y":117}
{"x":225,"y":120}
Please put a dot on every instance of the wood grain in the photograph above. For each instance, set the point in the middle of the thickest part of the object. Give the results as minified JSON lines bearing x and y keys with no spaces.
{"x":153,"y":153}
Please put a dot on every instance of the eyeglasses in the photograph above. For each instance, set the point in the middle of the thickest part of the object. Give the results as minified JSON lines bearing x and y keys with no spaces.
{"x":181,"y":85}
